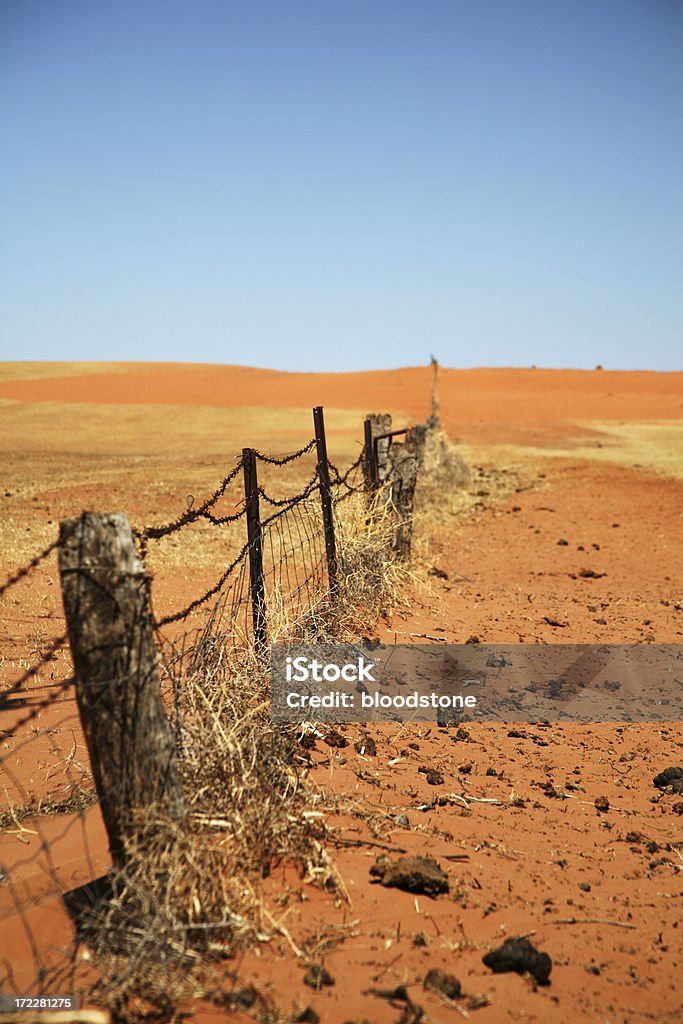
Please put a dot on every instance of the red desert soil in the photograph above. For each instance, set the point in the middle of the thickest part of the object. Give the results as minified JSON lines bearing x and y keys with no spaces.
{"x":593,"y":459}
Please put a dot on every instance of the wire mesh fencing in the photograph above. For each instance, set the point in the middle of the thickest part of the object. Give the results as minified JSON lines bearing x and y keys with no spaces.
{"x":264,"y":524}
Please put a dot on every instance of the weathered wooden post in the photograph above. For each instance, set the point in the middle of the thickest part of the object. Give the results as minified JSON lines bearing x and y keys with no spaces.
{"x":106,"y":603}
{"x":403,"y":467}
{"x":326,"y":498}
{"x":257,"y":585}
{"x":376,"y":455}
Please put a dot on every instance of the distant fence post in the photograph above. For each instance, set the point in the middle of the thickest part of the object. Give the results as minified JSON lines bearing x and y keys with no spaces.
{"x":326,"y":497}
{"x":375,"y":459}
{"x":404,"y":465}
{"x":106,"y":595}
{"x":258,"y":594}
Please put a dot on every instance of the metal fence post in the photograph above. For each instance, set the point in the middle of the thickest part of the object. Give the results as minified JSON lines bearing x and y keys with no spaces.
{"x":258,"y":597}
{"x":326,"y":497}
{"x":369,"y":466}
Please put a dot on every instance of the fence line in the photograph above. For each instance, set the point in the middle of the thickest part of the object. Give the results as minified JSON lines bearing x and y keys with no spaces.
{"x":280,"y":582}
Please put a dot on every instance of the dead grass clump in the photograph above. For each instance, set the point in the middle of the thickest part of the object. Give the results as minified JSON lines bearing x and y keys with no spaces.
{"x":443,"y":477}
{"x":190,"y":895}
{"x":372,"y":579}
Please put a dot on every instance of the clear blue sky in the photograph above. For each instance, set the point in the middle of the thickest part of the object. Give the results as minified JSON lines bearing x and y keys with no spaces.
{"x":343,"y":184}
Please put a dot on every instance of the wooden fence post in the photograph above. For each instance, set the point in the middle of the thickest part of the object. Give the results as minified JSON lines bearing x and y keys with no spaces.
{"x":106,"y":595}
{"x":375,"y":461}
{"x":258,"y":590}
{"x":404,"y":465}
{"x":326,"y":497}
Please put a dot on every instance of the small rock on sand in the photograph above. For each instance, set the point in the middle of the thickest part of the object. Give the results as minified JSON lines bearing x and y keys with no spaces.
{"x":520,"y":956}
{"x":419,"y":875}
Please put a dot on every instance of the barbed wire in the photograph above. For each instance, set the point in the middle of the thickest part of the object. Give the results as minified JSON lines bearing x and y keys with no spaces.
{"x":339,"y":480}
{"x":272,"y":461}
{"x":27,"y":569}
{"x":33,"y":670}
{"x":191,"y":514}
{"x":57,"y":690}
{"x":291,"y":501}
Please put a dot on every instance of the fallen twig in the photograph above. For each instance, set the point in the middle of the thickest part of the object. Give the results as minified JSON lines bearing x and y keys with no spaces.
{"x":591,"y":920}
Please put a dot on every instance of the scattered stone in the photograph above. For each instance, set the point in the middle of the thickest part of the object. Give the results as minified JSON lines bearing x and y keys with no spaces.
{"x":439,"y":573}
{"x":601,"y":622}
{"x":611,"y":685}
{"x":602,"y":804}
{"x":318,"y":977}
{"x":634,"y":837}
{"x":492,"y":773}
{"x":585,"y":886}
{"x":402,"y":820}
{"x":520,"y":956}
{"x":678,"y":808}
{"x":474,"y":639}
{"x":445,"y":984}
{"x":517,"y":734}
{"x":420,"y":939}
{"x":435,"y":778}
{"x":668,"y":777}
{"x":554,"y":622}
{"x":562,"y":543}
{"x":652,"y":846}
{"x":462,"y":734}
{"x":591,"y":574}
{"x":418,"y":875}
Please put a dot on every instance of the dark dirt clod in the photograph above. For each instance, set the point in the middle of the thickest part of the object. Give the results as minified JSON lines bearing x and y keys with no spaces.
{"x":307,"y":1016}
{"x":366,"y":745}
{"x":520,"y":956}
{"x":435,"y":778}
{"x":419,"y":875}
{"x":335,"y":739}
{"x":318,"y":977}
{"x":668,"y":777}
{"x":439,"y":981}
{"x":602,"y":804}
